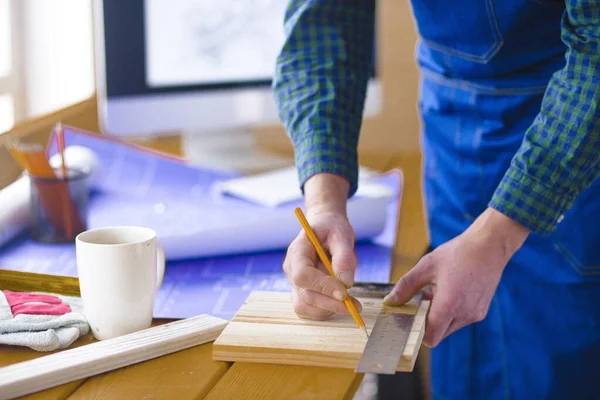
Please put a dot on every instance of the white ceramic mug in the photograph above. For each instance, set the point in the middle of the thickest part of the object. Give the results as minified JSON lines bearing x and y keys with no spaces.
{"x":120,"y":268}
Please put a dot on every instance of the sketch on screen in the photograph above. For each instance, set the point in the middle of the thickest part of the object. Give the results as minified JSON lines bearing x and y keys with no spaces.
{"x":206,"y":41}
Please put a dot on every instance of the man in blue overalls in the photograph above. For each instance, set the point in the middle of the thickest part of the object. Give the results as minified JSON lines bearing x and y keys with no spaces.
{"x":509,"y":101}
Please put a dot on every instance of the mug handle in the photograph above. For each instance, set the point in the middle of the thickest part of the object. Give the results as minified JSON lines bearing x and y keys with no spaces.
{"x":160,"y":265}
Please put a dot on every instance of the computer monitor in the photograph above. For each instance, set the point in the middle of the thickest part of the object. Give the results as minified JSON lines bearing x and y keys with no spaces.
{"x":199,"y":68}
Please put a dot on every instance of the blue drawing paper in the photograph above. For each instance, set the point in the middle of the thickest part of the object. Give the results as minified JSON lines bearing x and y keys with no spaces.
{"x":141,"y":187}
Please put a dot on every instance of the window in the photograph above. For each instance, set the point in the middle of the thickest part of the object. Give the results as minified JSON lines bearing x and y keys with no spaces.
{"x":5,"y":39}
{"x":47,"y":45}
{"x":57,"y":53}
{"x":8,"y":84}
{"x":11,"y":94}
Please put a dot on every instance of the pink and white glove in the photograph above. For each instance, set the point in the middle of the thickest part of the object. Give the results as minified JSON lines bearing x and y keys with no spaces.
{"x":40,"y":321}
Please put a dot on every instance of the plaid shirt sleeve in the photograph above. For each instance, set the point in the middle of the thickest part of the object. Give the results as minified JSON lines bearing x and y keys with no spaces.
{"x":560,"y":155}
{"x":321,"y":80}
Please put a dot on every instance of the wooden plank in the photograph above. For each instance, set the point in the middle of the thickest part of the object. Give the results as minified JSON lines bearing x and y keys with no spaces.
{"x":19,"y":281}
{"x":267,"y":330}
{"x":184,"y":375}
{"x":274,"y":382}
{"x":15,"y":354}
{"x":81,"y":362}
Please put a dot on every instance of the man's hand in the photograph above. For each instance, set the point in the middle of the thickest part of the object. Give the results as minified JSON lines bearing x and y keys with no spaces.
{"x":463,"y":274}
{"x":316,"y":294}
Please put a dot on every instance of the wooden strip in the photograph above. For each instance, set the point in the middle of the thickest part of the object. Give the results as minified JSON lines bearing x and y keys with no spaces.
{"x":265,"y":303}
{"x":184,"y":375}
{"x":69,"y":365}
{"x":274,"y":382}
{"x":413,"y":344}
{"x":19,"y":281}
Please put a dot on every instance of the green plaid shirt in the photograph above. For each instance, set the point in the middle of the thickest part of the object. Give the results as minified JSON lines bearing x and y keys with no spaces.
{"x":320,"y":85}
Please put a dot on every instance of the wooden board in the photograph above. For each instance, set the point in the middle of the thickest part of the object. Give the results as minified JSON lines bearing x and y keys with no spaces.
{"x":102,"y":356}
{"x":267,"y":330}
{"x":21,"y":281}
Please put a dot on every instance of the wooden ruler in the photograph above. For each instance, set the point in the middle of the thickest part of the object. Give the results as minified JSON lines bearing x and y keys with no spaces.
{"x":81,"y":362}
{"x":18,"y":281}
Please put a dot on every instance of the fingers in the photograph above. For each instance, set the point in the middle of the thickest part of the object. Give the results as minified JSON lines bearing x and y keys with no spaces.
{"x":454,"y":326}
{"x":319,"y":282}
{"x":310,"y":303}
{"x":427,"y":292}
{"x":300,"y":267}
{"x":307,"y":311}
{"x":316,"y":294}
{"x":438,"y":321}
{"x":408,"y":286}
{"x":344,"y":260}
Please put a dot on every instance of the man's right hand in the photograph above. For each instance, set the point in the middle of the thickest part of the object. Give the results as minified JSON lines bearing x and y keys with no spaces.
{"x":317,"y":295}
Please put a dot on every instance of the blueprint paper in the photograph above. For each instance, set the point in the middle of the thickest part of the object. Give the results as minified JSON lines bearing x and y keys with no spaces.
{"x":216,"y":285}
{"x":212,"y":285}
{"x":183,"y":205}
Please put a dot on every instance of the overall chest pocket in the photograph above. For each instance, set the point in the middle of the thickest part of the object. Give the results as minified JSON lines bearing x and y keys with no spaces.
{"x":468,"y":30}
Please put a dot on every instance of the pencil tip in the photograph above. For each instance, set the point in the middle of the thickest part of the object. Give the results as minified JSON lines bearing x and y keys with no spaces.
{"x":364,"y":328}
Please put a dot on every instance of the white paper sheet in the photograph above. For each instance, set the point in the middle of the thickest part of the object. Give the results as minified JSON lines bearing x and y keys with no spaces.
{"x":274,"y":188}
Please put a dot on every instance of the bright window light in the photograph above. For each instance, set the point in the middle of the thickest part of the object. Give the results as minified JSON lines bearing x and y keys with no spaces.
{"x":5,"y":39}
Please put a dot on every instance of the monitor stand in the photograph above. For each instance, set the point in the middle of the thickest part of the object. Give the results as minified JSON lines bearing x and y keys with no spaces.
{"x":230,"y":150}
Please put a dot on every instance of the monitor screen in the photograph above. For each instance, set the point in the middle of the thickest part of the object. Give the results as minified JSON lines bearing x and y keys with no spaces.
{"x":166,"y":46}
{"x":198,"y":42}
{"x":191,"y":65}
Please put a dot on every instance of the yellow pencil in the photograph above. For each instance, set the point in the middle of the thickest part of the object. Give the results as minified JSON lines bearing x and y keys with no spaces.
{"x":325,"y":260}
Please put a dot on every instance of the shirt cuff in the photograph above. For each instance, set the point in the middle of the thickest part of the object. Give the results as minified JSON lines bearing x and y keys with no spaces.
{"x":530,"y":202}
{"x":325,"y":154}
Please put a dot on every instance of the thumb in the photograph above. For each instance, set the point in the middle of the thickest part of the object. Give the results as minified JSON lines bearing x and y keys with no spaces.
{"x":343,"y":257}
{"x":410,"y":284}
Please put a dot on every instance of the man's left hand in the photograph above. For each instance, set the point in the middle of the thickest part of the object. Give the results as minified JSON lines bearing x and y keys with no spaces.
{"x":463,"y":274}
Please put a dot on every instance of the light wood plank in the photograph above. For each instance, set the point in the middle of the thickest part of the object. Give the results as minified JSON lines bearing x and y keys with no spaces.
{"x":70,"y":365}
{"x":19,"y":281}
{"x":188,"y":374}
{"x":415,"y":338}
{"x":14,"y":354}
{"x":274,"y":382}
{"x":267,"y":330}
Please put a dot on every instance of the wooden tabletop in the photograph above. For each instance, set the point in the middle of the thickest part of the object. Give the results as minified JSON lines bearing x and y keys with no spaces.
{"x":191,"y":374}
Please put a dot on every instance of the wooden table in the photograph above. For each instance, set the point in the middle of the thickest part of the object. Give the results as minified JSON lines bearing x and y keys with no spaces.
{"x":191,"y":374}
